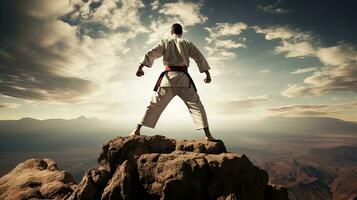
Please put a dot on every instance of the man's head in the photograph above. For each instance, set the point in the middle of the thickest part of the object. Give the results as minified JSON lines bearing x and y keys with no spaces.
{"x":176,"y":29}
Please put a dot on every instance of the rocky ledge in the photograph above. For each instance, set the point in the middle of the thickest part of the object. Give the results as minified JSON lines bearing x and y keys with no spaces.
{"x":155,"y":167}
{"x":36,"y":179}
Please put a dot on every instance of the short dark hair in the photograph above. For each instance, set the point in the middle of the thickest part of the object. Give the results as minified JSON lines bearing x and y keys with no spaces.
{"x":176,"y":29}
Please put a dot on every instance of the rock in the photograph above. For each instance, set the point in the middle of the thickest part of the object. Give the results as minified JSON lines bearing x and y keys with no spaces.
{"x":229,"y":197}
{"x":344,"y":186}
{"x":92,"y":184}
{"x":124,"y":184}
{"x":201,"y":146}
{"x":36,"y":178}
{"x":158,"y":168}
{"x":188,"y":175}
{"x":275,"y":192}
{"x":116,"y":151}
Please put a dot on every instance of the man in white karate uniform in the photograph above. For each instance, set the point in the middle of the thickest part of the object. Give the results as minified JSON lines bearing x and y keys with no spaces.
{"x":175,"y":80}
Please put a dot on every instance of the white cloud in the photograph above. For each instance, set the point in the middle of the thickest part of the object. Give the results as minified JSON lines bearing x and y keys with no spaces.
{"x":295,"y":91}
{"x":98,"y":59}
{"x":282,"y":33}
{"x":112,"y":14}
{"x":273,"y":9}
{"x":337,"y":55}
{"x":337,"y":75}
{"x":295,"y":49}
{"x":304,"y":70}
{"x":339,"y":78}
{"x":9,"y":105}
{"x":264,"y":71}
{"x":246,"y":102}
{"x":341,"y":110}
{"x":299,"y":110}
{"x":187,"y":12}
{"x":57,"y":61}
{"x":159,"y":30}
{"x":229,"y":44}
{"x":224,"y":30}
{"x":44,"y":10}
{"x":294,"y":43}
{"x":260,"y":98}
{"x":339,"y":72}
{"x":220,"y":41}
{"x":222,"y":53}
{"x":155,"y":4}
{"x":43,"y":50}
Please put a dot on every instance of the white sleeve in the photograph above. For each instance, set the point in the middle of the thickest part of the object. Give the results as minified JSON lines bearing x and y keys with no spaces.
{"x":200,"y":60}
{"x":153,"y":54}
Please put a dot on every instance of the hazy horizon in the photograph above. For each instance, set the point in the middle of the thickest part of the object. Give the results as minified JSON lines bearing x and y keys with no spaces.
{"x":75,"y":143}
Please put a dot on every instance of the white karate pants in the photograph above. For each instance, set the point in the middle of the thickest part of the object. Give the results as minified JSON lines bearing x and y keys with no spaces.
{"x":163,"y":96}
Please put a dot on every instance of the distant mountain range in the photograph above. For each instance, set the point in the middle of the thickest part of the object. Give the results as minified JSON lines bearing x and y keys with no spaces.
{"x":304,"y":125}
{"x":28,"y":134}
{"x":273,"y":125}
{"x":49,"y":126}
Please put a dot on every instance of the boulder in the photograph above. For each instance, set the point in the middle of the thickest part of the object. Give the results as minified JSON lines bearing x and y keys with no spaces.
{"x":189,"y":175}
{"x":36,"y":178}
{"x":92,"y":184}
{"x":116,"y":151}
{"x":204,"y":146}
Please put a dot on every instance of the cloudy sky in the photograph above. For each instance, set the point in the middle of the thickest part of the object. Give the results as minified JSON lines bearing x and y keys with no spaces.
{"x":66,"y":58}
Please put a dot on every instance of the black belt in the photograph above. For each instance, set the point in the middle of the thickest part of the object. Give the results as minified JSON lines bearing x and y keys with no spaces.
{"x":177,"y":69}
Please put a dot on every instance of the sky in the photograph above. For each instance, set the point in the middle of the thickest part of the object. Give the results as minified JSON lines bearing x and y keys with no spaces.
{"x":288,"y":58}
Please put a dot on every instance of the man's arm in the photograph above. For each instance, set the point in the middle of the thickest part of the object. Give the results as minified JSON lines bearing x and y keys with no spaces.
{"x":201,"y":62}
{"x":149,"y":58}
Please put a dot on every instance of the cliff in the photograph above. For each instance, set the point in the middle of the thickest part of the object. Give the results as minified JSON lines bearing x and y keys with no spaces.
{"x":150,"y":167}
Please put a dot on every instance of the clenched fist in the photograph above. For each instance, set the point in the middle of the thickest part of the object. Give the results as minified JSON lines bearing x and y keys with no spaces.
{"x":208,"y":80}
{"x":140,"y":71}
{"x":208,"y":77}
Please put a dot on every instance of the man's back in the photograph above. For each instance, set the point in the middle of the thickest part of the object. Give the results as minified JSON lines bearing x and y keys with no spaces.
{"x":176,"y":51}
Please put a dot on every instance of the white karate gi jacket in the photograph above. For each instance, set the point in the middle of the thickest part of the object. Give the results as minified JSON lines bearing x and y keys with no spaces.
{"x":176,"y":51}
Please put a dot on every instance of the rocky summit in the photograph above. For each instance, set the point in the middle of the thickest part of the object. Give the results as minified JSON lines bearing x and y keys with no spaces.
{"x":148,"y":168}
